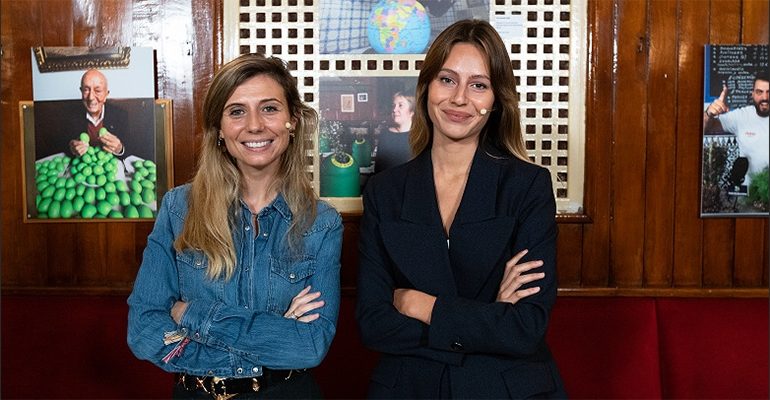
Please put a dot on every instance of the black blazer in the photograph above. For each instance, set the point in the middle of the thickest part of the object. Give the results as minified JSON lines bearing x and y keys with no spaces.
{"x":474,"y":347}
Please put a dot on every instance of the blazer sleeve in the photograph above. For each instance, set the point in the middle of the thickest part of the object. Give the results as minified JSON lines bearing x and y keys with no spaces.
{"x":472,"y":326}
{"x":381,"y":326}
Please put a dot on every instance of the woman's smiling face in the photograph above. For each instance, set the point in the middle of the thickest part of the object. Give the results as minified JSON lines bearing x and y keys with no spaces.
{"x":458,"y":93}
{"x":254,"y":124}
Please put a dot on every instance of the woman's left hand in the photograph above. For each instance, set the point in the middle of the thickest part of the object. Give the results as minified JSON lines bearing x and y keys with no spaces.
{"x":414,"y":304}
{"x":302,"y":303}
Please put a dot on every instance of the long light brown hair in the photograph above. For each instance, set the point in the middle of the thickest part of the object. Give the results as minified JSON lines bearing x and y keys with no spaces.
{"x":213,"y":201}
{"x":503,"y":128}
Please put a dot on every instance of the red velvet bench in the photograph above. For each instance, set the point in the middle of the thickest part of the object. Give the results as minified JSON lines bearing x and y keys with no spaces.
{"x":606,"y":347}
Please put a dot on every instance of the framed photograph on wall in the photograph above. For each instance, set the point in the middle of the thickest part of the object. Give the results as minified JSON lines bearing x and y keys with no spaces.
{"x":543,"y":42}
{"x":391,"y":26}
{"x":347,"y":103}
{"x":354,"y":145}
{"x":735,"y":132}
{"x":96,"y":142}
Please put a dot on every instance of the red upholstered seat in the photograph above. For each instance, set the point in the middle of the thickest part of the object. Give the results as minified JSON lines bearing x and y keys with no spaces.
{"x":714,"y":348}
{"x":73,"y":347}
{"x":606,"y":347}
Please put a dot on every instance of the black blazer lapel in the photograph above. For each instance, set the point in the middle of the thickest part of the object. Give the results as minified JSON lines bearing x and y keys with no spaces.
{"x":479,"y":237}
{"x":425,"y":265}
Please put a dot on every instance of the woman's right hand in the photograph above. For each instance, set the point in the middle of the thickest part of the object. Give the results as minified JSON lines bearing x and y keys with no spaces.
{"x":302,"y":303}
{"x":513,"y":279}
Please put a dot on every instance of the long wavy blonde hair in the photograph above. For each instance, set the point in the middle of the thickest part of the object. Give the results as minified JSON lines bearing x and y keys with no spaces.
{"x":213,"y":200}
{"x":503,"y":129}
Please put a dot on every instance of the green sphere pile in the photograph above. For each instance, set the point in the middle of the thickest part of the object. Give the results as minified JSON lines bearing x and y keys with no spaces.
{"x":87,"y":187}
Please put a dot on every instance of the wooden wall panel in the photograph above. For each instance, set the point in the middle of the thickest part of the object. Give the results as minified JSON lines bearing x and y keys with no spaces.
{"x":348,"y":275}
{"x":599,"y":120}
{"x":91,"y":253}
{"x":661,"y":139}
{"x":629,"y":137}
{"x":569,"y":260}
{"x":766,"y":255}
{"x":13,"y":85}
{"x":642,"y":234}
{"x":688,"y":226}
{"x":62,"y":243}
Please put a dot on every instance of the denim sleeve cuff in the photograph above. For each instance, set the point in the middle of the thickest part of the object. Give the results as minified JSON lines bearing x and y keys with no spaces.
{"x":196,"y":320}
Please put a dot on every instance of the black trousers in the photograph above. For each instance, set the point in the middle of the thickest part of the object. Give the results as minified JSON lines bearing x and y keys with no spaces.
{"x":301,"y":385}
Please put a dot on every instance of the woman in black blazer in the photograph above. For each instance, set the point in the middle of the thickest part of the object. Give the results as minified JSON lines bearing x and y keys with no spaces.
{"x":458,"y":246}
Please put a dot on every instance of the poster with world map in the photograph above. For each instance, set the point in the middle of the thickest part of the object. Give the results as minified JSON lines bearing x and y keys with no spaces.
{"x":390,"y":26}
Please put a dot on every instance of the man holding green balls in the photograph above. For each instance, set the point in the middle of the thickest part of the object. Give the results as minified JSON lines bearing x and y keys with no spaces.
{"x":94,"y":91}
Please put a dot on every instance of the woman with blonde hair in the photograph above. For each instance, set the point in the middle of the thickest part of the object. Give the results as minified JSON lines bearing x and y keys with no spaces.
{"x":238,"y":292}
{"x":393,"y":144}
{"x":457,"y":270}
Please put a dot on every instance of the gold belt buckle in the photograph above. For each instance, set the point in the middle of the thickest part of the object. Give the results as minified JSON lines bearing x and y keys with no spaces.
{"x":224,"y":395}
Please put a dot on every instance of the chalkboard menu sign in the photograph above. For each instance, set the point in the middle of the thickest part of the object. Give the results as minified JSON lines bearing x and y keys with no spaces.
{"x":733,"y":66}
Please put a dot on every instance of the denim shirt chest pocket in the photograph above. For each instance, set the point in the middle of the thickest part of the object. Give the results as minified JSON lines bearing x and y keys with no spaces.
{"x":192,"y":267}
{"x":288,"y":276}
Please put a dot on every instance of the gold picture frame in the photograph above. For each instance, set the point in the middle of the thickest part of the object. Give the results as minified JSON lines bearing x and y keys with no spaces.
{"x":68,"y":58}
{"x":164,"y":166}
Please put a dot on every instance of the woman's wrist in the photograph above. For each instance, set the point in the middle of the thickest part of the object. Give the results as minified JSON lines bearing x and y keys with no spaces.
{"x":421,"y":306}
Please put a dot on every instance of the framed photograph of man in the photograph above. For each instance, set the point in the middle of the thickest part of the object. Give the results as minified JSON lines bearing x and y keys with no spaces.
{"x":93,"y":148}
{"x":736,"y":149}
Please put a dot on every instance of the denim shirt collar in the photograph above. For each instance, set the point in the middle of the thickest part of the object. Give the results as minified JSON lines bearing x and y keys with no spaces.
{"x":278,"y":203}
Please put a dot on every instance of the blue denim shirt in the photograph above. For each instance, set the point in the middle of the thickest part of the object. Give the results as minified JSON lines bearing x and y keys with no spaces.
{"x":236,"y":327}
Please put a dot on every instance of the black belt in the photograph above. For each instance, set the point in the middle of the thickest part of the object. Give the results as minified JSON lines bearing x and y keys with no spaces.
{"x":218,"y":387}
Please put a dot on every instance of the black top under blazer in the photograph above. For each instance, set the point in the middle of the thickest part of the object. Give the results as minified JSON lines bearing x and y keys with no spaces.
{"x":474,"y":347}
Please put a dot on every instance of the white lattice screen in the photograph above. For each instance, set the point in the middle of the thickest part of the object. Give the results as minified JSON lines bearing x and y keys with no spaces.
{"x":547,"y":50}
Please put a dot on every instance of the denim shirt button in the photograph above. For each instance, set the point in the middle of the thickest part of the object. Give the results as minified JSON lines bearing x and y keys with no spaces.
{"x":184,"y":331}
{"x":198,"y":262}
{"x":210,"y":373}
{"x":197,"y":336}
{"x":255,"y":369}
{"x":264,"y":234}
{"x":240,"y":371}
{"x":292,"y":276}
{"x":248,"y":228}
